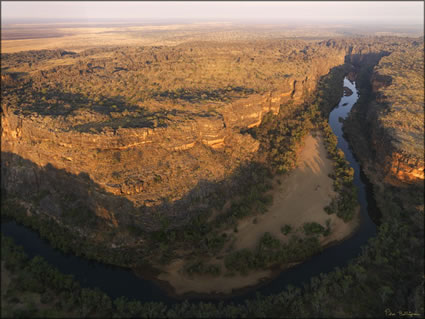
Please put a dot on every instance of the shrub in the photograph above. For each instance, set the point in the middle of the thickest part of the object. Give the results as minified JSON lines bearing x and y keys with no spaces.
{"x":313,"y":228}
{"x":241,"y":260}
{"x":286,"y":229}
{"x":198,"y":267}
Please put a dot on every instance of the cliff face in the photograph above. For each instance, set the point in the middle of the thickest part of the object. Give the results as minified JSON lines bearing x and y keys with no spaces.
{"x":396,"y":163}
{"x":394,"y":118}
{"x":133,"y":134}
{"x":126,"y":173}
{"x":143,"y":165}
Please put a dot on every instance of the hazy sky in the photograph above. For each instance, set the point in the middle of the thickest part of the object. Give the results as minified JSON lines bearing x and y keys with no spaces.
{"x":402,"y":12}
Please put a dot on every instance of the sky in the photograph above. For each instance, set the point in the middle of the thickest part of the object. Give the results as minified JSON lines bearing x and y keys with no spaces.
{"x":391,"y":12}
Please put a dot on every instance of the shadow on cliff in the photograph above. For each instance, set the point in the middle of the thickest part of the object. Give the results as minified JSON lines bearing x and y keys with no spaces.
{"x":55,"y":102}
{"x":359,"y":60}
{"x":55,"y":191}
{"x":78,"y":200}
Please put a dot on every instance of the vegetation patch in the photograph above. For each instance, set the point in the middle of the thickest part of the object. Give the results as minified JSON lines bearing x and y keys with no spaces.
{"x":313,"y":229}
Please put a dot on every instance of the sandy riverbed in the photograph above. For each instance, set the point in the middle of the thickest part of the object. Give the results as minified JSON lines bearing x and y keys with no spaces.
{"x":299,"y":198}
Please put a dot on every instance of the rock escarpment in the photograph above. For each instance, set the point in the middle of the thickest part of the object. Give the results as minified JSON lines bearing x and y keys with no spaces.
{"x":134,"y":133}
{"x":394,"y":116}
{"x":135,"y":158}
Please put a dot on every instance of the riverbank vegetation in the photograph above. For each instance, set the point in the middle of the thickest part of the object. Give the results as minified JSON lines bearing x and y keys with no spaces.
{"x":63,"y":239}
{"x":390,"y":260}
{"x":280,"y":137}
{"x":387,"y":275}
{"x":270,"y":252}
{"x":345,"y":204}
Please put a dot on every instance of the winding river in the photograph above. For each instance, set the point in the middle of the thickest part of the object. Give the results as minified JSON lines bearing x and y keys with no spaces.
{"x":116,"y":281}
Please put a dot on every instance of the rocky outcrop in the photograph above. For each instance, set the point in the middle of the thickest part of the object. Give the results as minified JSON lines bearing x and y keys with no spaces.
{"x":8,"y":80}
{"x":42,"y":140}
{"x":145,"y":166}
{"x":127,"y":172}
{"x":392,"y":120}
{"x":406,"y":168}
{"x":395,"y":164}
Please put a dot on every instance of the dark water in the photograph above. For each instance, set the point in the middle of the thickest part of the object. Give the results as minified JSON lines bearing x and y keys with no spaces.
{"x":116,"y":281}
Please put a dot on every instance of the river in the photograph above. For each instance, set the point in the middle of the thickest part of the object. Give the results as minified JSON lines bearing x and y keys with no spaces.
{"x":116,"y":281}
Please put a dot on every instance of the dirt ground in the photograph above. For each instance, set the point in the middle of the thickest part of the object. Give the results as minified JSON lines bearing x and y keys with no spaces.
{"x":297,"y":198}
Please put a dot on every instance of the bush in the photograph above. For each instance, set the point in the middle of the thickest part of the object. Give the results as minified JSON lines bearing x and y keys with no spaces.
{"x":267,"y":241}
{"x":328,"y":228}
{"x":198,"y":267}
{"x":241,"y":260}
{"x":286,"y":229}
{"x":313,"y":228}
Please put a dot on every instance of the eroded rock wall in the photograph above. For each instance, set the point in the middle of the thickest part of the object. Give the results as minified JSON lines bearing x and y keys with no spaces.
{"x":396,"y":164}
{"x":391,"y":119}
{"x":127,"y":174}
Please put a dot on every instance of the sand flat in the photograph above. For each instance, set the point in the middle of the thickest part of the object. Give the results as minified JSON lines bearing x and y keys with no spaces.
{"x":299,"y":198}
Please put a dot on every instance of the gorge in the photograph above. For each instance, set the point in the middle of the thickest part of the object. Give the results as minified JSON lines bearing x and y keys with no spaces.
{"x":92,"y":274}
{"x":139,"y":178}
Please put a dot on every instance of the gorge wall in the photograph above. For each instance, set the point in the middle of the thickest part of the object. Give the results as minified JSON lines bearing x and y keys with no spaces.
{"x":120,"y":133}
{"x":391,"y":119}
{"x":146,"y":166}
